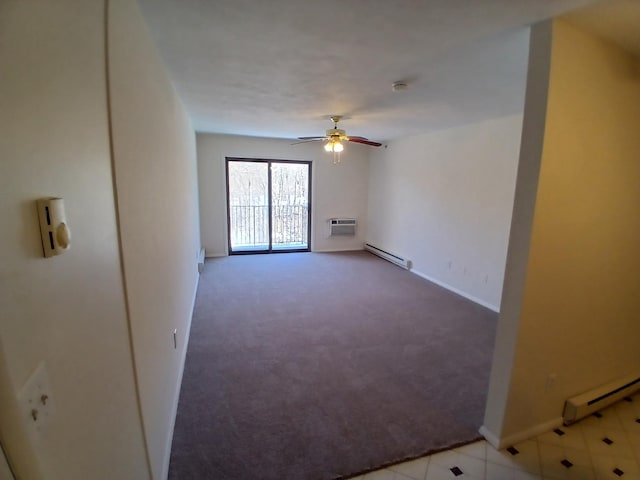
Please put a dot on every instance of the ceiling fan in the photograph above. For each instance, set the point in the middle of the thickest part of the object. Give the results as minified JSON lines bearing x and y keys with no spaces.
{"x":335,"y":136}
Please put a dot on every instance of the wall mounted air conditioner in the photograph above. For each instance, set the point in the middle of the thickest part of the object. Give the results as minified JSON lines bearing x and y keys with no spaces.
{"x":342,"y":226}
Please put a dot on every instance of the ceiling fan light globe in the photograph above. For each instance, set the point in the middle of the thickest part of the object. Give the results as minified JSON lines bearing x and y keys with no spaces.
{"x":328,"y":147}
{"x":338,"y":147}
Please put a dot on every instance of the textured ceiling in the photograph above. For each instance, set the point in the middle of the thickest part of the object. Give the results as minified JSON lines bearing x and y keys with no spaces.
{"x":280,"y":68}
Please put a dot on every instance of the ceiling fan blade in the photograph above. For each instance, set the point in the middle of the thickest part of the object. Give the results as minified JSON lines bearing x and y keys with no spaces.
{"x":364,"y":141}
{"x":357,"y":138}
{"x":311,"y":138}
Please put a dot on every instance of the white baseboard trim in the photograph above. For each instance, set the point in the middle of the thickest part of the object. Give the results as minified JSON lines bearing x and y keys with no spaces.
{"x":457,"y":291}
{"x":331,"y":250}
{"x":328,"y":250}
{"x":499,"y":443}
{"x":352,"y":249}
{"x":201,"y":257}
{"x":176,"y":395}
{"x":490,"y":437}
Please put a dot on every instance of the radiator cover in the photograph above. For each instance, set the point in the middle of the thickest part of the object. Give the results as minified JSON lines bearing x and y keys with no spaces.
{"x":589,"y":402}
{"x":390,"y":257}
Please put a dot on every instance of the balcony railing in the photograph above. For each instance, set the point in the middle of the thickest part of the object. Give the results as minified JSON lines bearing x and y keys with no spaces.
{"x":250,"y":226}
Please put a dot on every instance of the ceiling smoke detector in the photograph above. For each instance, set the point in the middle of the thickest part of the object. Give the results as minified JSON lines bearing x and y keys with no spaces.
{"x":399,"y":86}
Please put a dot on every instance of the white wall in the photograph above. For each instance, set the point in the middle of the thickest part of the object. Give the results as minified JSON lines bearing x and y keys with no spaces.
{"x":337,"y":190}
{"x":520,"y":235}
{"x":157,"y":194}
{"x":66,"y":311}
{"x":444,"y":200}
{"x":574,"y":315}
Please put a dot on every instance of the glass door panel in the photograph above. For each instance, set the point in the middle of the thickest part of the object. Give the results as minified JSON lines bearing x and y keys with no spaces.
{"x":248,"y":184}
{"x":269,"y":206}
{"x":290,"y":206}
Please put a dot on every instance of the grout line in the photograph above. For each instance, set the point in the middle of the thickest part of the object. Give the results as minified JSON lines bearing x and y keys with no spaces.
{"x":485,"y":463}
{"x":583,"y":435}
{"x":540,"y":464}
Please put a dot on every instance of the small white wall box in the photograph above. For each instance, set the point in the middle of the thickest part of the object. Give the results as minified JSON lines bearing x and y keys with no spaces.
{"x":56,"y":237}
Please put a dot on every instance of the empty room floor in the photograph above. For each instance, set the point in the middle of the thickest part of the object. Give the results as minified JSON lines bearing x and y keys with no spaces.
{"x":600,"y":447}
{"x":313,"y":366}
{"x":273,"y":364}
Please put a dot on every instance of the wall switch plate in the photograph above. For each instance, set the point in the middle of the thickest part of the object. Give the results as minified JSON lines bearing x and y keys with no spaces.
{"x":36,"y":402}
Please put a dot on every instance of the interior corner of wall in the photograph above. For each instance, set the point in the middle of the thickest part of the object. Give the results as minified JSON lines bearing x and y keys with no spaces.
{"x":490,"y":437}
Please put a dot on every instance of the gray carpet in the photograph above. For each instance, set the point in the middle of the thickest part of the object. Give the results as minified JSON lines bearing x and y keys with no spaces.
{"x":312,"y":366}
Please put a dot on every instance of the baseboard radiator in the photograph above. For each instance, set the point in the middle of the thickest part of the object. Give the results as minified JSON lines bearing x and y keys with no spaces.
{"x":391,"y":257}
{"x":589,"y":402}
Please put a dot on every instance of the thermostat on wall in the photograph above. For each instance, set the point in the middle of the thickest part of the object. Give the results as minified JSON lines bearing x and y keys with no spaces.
{"x":56,"y":237}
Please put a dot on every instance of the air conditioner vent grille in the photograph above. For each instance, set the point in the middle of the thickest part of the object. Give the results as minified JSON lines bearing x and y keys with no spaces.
{"x":342,"y":226}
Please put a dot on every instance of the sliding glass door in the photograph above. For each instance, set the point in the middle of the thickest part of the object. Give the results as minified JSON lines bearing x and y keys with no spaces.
{"x":268,"y":205}
{"x":248,"y":201}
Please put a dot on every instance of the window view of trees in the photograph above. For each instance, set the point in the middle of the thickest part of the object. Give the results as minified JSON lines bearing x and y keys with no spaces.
{"x":249,"y":204}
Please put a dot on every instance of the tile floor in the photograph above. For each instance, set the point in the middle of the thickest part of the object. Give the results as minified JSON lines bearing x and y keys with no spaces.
{"x":603,"y":446}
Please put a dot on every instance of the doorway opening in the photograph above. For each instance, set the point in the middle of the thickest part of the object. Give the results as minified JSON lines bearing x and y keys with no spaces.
{"x":268,"y":205}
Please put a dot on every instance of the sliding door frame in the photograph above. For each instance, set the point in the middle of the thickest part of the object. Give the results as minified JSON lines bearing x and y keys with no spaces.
{"x":269,"y":162}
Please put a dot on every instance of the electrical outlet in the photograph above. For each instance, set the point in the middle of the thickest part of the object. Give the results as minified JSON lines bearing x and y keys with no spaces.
{"x":551,"y":381}
{"x":36,"y":401}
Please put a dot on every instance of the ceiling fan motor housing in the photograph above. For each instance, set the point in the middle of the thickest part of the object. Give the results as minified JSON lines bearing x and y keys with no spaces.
{"x":336,"y":133}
